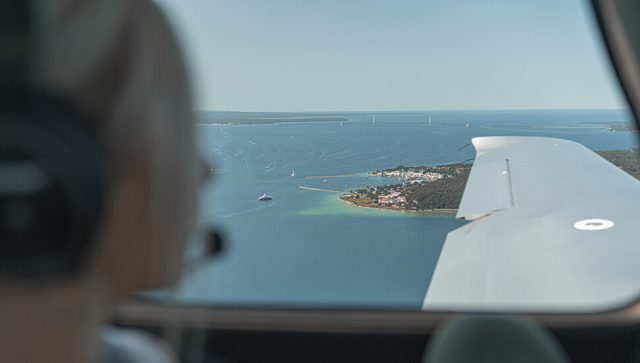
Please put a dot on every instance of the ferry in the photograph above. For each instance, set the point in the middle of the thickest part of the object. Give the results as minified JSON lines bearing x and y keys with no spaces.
{"x":265,"y":197}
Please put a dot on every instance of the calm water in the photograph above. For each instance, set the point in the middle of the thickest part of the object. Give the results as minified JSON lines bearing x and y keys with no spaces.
{"x":307,"y":248}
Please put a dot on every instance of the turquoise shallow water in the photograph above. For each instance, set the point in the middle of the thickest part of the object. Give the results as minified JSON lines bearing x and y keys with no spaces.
{"x":307,"y":248}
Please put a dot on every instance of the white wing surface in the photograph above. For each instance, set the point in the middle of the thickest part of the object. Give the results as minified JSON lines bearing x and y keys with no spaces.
{"x":553,"y":226}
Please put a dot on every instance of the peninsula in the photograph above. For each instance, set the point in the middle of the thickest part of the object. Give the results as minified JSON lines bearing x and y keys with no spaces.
{"x":431,"y":189}
{"x":438,"y":189}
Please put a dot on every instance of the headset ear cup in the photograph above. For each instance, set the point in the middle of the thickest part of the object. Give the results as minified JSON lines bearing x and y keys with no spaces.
{"x":51,"y":186}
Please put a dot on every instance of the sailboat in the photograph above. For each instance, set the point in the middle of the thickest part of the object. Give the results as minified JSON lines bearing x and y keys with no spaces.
{"x":429,"y":121}
{"x":293,"y":173}
{"x":373,"y":122}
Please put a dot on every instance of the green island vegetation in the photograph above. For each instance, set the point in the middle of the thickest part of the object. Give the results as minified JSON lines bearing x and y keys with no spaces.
{"x":438,"y":189}
{"x":627,"y":160}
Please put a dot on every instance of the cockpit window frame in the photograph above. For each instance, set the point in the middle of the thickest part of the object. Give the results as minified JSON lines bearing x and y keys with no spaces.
{"x":146,"y":312}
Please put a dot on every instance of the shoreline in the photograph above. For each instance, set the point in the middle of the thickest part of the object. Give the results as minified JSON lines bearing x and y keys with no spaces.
{"x":430,"y":212}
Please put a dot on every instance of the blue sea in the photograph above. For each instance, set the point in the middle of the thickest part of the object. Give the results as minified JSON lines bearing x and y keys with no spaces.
{"x":306,"y":248}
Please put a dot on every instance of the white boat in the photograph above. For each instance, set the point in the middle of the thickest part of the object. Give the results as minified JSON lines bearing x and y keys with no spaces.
{"x":467,"y":125}
{"x":429,"y":121}
{"x":373,"y":122}
{"x":293,"y":173}
{"x":265,"y":197}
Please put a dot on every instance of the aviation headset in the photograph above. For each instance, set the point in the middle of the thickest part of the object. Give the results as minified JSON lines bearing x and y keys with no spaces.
{"x":51,"y":164}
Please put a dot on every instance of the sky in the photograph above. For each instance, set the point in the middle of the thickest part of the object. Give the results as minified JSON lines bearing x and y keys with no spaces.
{"x":364,"y":55}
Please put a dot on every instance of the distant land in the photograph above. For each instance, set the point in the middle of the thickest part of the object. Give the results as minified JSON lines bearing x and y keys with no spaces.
{"x":438,"y":189}
{"x":265,"y":118}
{"x":616,"y":126}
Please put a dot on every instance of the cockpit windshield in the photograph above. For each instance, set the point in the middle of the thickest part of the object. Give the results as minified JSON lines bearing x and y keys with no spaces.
{"x":411,"y":155}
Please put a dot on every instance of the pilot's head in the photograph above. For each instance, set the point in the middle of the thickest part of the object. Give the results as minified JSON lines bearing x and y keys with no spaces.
{"x":123,"y":214}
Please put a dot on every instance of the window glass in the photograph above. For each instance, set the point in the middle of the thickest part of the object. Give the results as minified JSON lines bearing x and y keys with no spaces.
{"x":342,"y":131}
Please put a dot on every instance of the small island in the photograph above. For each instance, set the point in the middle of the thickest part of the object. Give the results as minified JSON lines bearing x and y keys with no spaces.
{"x":438,"y":189}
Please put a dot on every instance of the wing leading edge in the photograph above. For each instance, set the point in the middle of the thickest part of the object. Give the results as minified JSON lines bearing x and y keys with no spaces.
{"x":553,"y":226}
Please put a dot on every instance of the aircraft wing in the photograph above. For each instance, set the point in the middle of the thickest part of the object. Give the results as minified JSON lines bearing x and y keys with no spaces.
{"x":552,"y":226}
